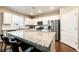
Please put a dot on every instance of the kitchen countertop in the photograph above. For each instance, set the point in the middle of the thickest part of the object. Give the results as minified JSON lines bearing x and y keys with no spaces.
{"x":40,"y":39}
{"x":8,"y":28}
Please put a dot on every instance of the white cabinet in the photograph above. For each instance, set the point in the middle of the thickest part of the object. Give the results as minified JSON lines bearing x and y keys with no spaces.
{"x":69,"y":26}
{"x":27,"y":21}
{"x":7,"y":18}
{"x":34,"y":21}
{"x":45,"y":21}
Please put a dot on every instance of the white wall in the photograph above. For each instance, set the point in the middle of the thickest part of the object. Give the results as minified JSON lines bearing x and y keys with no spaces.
{"x":0,"y":22}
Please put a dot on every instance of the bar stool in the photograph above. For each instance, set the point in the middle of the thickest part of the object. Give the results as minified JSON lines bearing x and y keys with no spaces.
{"x":1,"y":35}
{"x":24,"y":46}
{"x":6,"y":42}
{"x":14,"y":45}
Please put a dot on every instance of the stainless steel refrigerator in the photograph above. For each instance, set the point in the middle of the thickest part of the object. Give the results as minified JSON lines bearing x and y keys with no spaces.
{"x":55,"y":27}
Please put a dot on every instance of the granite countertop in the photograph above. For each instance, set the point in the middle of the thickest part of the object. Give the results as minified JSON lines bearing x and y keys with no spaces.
{"x":40,"y":38}
{"x":7,"y":28}
{"x":11,"y":29}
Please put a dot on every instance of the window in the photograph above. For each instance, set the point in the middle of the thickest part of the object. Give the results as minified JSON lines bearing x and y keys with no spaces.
{"x":18,"y":21}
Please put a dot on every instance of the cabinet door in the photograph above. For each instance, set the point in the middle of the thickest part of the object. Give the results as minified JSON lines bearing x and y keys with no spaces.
{"x":45,"y":22}
{"x":34,"y":21}
{"x":69,"y":28}
{"x":7,"y":17}
{"x":28,"y":21}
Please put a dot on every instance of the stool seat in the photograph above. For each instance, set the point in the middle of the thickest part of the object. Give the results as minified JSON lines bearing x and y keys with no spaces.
{"x":14,"y":45}
{"x":1,"y":35}
{"x":6,"y":40}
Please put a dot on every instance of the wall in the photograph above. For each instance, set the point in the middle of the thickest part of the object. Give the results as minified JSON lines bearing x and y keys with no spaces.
{"x":0,"y":22}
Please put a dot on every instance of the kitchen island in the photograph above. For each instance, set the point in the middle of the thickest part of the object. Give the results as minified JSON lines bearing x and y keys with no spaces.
{"x":44,"y":41}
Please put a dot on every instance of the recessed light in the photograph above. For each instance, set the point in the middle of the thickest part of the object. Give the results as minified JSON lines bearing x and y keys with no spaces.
{"x":31,"y":13}
{"x":51,"y":8}
{"x":39,"y":11}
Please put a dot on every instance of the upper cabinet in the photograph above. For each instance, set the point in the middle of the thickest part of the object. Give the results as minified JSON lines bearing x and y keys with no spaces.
{"x":7,"y":18}
{"x":11,"y":19}
{"x":34,"y":21}
{"x":46,"y":19}
{"x":28,"y":21}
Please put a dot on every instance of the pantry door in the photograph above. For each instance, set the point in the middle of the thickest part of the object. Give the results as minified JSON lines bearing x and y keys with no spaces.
{"x":69,"y":28}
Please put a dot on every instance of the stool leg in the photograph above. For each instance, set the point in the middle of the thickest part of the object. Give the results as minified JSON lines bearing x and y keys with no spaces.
{"x":5,"y":47}
{"x":1,"y":46}
{"x":14,"y":47}
{"x":10,"y":50}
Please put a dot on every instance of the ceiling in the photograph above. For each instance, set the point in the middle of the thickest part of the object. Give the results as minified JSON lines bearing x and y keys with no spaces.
{"x":34,"y":10}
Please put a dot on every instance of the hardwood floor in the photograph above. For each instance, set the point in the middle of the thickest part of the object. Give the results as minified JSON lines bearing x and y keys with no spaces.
{"x":61,"y":47}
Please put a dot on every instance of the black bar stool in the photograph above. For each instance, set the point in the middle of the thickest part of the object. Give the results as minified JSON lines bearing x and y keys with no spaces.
{"x":24,"y":46}
{"x":1,"y":35}
{"x":6,"y":42}
{"x":14,"y":45}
